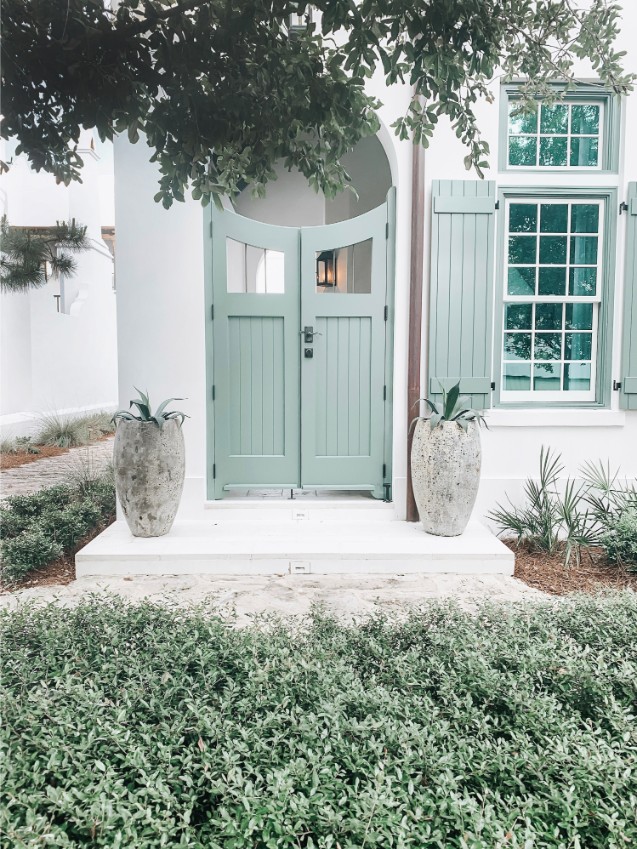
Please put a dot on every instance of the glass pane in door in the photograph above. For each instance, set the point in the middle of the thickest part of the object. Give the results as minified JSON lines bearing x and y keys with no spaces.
{"x":345,"y":270}
{"x":254,"y":271}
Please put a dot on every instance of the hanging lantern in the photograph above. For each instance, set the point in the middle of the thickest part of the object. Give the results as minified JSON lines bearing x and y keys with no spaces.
{"x":299,"y":22}
{"x":326,"y":269}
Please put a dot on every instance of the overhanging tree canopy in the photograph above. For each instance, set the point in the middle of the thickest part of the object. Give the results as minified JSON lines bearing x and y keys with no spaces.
{"x":224,"y":90}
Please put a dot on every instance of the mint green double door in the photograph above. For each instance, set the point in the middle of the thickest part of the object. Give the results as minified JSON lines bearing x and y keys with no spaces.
{"x":298,"y":354}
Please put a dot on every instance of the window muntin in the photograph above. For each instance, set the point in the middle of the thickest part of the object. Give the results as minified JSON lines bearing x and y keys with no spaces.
{"x":552,"y":298}
{"x":564,"y":135}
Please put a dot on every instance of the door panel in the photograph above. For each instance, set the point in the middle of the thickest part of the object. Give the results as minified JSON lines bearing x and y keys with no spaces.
{"x":342,"y":397}
{"x":256,"y":353}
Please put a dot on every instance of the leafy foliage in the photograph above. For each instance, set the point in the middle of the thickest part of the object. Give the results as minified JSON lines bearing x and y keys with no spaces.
{"x":29,"y":255}
{"x":561,"y":514}
{"x":69,"y":432}
{"x":222,"y":91}
{"x":39,"y":528}
{"x":453,"y":408}
{"x":146,"y":726}
{"x":159,"y":417}
{"x":620,"y":541}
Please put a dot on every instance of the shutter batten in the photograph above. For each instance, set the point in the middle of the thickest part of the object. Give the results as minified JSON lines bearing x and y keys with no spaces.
{"x":461,"y":288}
{"x":628,"y":395}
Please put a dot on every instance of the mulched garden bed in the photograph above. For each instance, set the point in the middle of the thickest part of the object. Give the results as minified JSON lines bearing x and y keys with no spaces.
{"x":11,"y":459}
{"x":547,"y":572}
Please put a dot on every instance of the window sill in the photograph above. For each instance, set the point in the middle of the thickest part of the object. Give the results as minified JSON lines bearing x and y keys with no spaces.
{"x":576,"y":417}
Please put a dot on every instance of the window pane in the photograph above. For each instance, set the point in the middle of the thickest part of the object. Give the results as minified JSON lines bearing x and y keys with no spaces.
{"x":548,"y":316}
{"x":345,"y":270}
{"x":583,"y":250}
{"x":577,"y":377}
{"x":583,"y":282}
{"x":518,"y":316}
{"x":584,"y":152}
{"x":548,"y":346}
{"x":552,"y":281}
{"x":553,"y":151}
{"x":553,"y":250}
{"x":554,"y":217}
{"x":546,"y":377}
{"x":522,"y":150}
{"x":517,"y":376}
{"x":522,"y":217}
{"x":578,"y":346}
{"x":554,"y":119}
{"x":521,"y":122}
{"x":584,"y":119}
{"x":521,"y":281}
{"x":584,"y":218}
{"x":517,"y":346}
{"x":251,"y":270}
{"x":522,"y":250}
{"x":579,"y":316}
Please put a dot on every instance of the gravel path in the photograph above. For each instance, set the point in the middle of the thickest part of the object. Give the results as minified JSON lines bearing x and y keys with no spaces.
{"x":289,"y":595}
{"x":50,"y":471}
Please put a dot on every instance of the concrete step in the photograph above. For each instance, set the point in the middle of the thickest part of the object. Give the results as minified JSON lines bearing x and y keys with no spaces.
{"x":351,"y":543}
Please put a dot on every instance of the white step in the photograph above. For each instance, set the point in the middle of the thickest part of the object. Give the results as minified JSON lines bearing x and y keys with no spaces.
{"x":318,"y":543}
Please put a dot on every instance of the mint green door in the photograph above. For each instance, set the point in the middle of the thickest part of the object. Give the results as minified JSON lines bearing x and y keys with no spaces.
{"x":299,"y":354}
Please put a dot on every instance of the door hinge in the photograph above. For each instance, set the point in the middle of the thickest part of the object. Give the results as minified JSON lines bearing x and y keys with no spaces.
{"x":387,"y":229}
{"x":213,"y":393}
{"x":384,"y":470}
{"x":386,"y":313}
{"x":385,"y":392}
{"x":617,"y":384}
{"x":212,"y":312}
{"x":214,"y":471}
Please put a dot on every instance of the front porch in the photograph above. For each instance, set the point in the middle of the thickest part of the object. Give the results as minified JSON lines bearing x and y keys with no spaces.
{"x":309,"y":535}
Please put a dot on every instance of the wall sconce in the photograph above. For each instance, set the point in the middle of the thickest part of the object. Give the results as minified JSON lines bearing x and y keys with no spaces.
{"x":300,"y":21}
{"x":326,"y":269}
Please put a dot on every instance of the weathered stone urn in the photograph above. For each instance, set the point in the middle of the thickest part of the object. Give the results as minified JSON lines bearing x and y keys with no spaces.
{"x":445,"y":472}
{"x":149,"y":474}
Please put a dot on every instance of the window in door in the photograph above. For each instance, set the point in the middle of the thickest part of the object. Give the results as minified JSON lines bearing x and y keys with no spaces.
{"x":252,"y":270}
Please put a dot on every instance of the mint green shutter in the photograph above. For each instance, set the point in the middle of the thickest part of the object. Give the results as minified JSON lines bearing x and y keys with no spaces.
{"x":461,"y":288}
{"x":628,"y":396}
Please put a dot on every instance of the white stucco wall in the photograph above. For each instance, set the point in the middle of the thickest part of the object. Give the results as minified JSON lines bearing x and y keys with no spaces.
{"x":64,"y":362}
{"x":161,"y":316}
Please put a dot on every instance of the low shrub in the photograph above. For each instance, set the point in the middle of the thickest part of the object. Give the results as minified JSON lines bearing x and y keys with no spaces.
{"x":39,"y":528}
{"x":620,"y":541}
{"x":72,"y":432}
{"x":141,"y":726}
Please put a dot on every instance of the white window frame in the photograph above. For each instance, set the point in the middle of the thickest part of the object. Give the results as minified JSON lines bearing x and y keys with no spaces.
{"x":538,"y":135}
{"x":547,"y":397}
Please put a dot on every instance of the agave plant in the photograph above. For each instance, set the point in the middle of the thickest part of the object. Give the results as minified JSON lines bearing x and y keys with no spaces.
{"x":159,"y":417}
{"x":453,"y":408}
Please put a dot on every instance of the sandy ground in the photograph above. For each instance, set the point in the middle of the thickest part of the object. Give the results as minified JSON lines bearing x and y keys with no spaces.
{"x":245,"y":597}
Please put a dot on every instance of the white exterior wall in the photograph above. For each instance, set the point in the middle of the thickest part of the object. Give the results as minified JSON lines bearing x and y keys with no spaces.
{"x":51,"y":361}
{"x":161,"y":320}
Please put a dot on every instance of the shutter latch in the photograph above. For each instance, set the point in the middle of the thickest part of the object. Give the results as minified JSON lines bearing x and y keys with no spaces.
{"x":493,"y":384}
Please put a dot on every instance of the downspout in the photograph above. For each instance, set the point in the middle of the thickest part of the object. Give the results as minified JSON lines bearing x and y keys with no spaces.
{"x":416,"y":269}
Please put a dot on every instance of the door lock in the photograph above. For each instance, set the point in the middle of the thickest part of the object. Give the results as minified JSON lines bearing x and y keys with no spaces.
{"x":309,"y":333}
{"x":309,"y":353}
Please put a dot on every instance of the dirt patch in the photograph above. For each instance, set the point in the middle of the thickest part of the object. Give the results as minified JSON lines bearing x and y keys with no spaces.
{"x":11,"y":460}
{"x":547,"y":572}
{"x":61,"y":571}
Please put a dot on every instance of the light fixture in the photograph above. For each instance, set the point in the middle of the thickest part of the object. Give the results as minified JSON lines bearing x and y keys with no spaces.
{"x":300,"y":21}
{"x":326,"y":269}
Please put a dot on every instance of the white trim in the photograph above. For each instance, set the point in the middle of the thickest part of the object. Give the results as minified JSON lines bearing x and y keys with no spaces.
{"x":555,"y":418}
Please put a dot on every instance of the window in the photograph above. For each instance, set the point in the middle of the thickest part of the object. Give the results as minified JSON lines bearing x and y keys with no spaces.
{"x":564,"y":135}
{"x":552,"y":299}
{"x":252,"y":270}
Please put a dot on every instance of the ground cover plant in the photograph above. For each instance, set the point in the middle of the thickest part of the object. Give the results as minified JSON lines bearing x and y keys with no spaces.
{"x":40,"y":528}
{"x":142,"y":726}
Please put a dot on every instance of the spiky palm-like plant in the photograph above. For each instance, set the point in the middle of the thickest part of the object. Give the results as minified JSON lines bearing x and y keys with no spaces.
{"x":29,"y":256}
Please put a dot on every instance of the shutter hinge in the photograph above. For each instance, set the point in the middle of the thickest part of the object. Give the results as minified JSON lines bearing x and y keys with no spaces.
{"x":617,"y":384}
{"x":493,"y":384}
{"x":623,"y":207}
{"x":213,"y":393}
{"x":214,"y":471}
{"x":497,"y":204}
{"x":212,"y":312}
{"x":384,"y":470}
{"x":211,"y":229}
{"x":386,"y":312}
{"x":387,"y":229}
{"x":385,"y":393}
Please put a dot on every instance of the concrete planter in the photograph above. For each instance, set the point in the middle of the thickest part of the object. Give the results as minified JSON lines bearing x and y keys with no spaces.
{"x":445,"y":471}
{"x":149,"y":474}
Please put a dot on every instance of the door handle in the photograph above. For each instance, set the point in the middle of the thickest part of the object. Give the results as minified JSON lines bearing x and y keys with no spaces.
{"x":308,"y":333}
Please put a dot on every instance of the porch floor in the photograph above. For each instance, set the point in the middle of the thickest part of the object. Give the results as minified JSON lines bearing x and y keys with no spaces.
{"x":237,"y":540}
